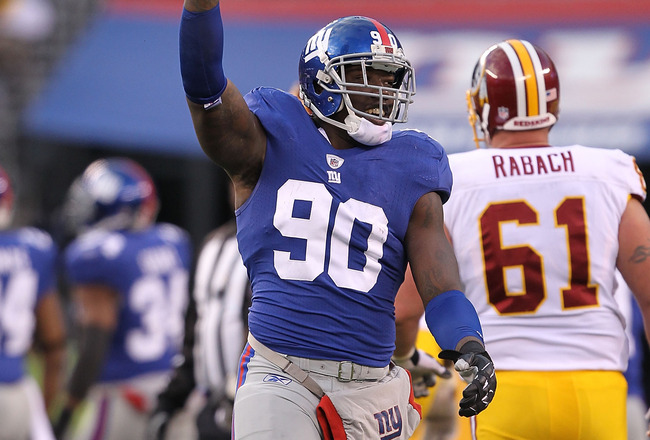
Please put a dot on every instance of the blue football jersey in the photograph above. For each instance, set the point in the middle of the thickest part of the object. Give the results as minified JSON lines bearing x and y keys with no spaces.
{"x":149,"y":269}
{"x":27,"y":274}
{"x":322,"y":235}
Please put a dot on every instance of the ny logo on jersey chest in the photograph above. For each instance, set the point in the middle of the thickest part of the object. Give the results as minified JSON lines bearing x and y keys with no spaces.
{"x":334,"y":162}
{"x":333,"y":177}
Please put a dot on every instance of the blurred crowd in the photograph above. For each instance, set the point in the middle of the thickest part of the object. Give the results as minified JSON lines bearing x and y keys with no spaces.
{"x":34,"y":35}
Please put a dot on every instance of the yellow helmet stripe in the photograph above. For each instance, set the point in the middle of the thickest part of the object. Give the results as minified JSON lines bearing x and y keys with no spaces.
{"x":530,"y":79}
{"x":539,"y":72}
{"x":518,"y":75}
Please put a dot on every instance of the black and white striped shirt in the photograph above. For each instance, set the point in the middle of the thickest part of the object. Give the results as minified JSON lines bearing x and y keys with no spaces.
{"x":222,"y":294}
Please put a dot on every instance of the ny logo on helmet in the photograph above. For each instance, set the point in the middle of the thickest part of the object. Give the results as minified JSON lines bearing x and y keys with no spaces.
{"x":317,"y":45}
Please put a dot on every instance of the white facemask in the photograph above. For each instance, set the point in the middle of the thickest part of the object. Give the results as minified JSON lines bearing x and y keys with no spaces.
{"x":367,"y":133}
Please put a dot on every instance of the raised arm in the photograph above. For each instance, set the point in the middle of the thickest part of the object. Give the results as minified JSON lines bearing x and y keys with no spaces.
{"x":228,"y":132}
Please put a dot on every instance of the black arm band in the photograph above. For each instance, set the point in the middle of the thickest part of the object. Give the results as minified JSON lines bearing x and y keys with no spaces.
{"x":93,"y":347}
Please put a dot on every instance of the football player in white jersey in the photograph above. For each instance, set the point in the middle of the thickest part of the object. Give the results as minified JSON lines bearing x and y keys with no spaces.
{"x":538,"y":231}
{"x":129,"y":285}
{"x":30,"y":315}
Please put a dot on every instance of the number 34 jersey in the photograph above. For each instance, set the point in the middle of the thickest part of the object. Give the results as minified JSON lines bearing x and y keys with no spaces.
{"x":148,"y":269}
{"x":535,"y":232}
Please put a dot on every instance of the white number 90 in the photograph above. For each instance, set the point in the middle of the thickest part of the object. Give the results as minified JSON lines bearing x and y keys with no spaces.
{"x":314,"y":230}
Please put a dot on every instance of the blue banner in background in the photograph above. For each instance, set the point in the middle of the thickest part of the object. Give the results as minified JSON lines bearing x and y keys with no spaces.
{"x":120,"y":85}
{"x":604,"y":83}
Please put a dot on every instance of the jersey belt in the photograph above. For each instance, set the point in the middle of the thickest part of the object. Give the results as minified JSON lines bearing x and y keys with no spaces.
{"x":344,"y":371}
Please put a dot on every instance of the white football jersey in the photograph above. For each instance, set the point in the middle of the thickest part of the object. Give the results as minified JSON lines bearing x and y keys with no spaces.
{"x":535,"y":232}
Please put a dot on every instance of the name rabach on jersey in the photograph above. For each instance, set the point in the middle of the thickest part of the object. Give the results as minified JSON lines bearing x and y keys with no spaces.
{"x":13,"y":258}
{"x":533,"y":165}
{"x":158,"y":260}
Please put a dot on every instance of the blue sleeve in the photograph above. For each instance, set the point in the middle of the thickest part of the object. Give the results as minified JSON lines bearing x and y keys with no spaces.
{"x":201,"y":55}
{"x":451,"y":317}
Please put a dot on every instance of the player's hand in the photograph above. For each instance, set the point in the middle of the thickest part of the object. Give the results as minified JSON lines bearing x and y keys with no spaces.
{"x":477,"y":370}
{"x":423,"y":368}
{"x":157,"y":425}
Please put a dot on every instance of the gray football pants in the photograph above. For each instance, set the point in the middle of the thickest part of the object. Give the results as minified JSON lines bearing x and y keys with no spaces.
{"x":270,"y":405}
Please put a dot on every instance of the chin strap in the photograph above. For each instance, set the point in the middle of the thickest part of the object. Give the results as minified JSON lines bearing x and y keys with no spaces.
{"x":359,"y":129}
{"x":330,"y":121}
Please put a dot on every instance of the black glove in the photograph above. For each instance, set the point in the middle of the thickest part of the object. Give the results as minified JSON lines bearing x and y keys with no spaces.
{"x":157,"y":424}
{"x":477,"y":369}
{"x":423,"y":368}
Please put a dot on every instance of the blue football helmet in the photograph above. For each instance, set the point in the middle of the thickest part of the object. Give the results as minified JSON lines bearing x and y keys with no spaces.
{"x":354,"y":41}
{"x":112,"y":194}
{"x":6,"y":200}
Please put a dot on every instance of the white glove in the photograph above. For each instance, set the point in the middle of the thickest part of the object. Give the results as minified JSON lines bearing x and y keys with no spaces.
{"x":466,"y":371}
{"x":423,"y":368}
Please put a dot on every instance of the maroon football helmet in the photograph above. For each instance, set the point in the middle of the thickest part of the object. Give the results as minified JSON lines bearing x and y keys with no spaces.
{"x":515,"y":87}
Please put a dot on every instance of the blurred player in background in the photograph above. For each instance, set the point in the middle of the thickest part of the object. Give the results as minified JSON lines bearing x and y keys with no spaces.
{"x":215,"y":336}
{"x":129,"y":285}
{"x":30,"y":311}
{"x":636,"y":400}
{"x":539,"y":231}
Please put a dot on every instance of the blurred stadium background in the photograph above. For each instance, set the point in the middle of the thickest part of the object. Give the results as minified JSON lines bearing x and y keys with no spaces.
{"x":80,"y":79}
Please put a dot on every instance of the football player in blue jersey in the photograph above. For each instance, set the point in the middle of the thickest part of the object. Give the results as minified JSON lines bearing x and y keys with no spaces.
{"x":30,"y":312}
{"x":331,"y":204}
{"x":129,"y":285}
